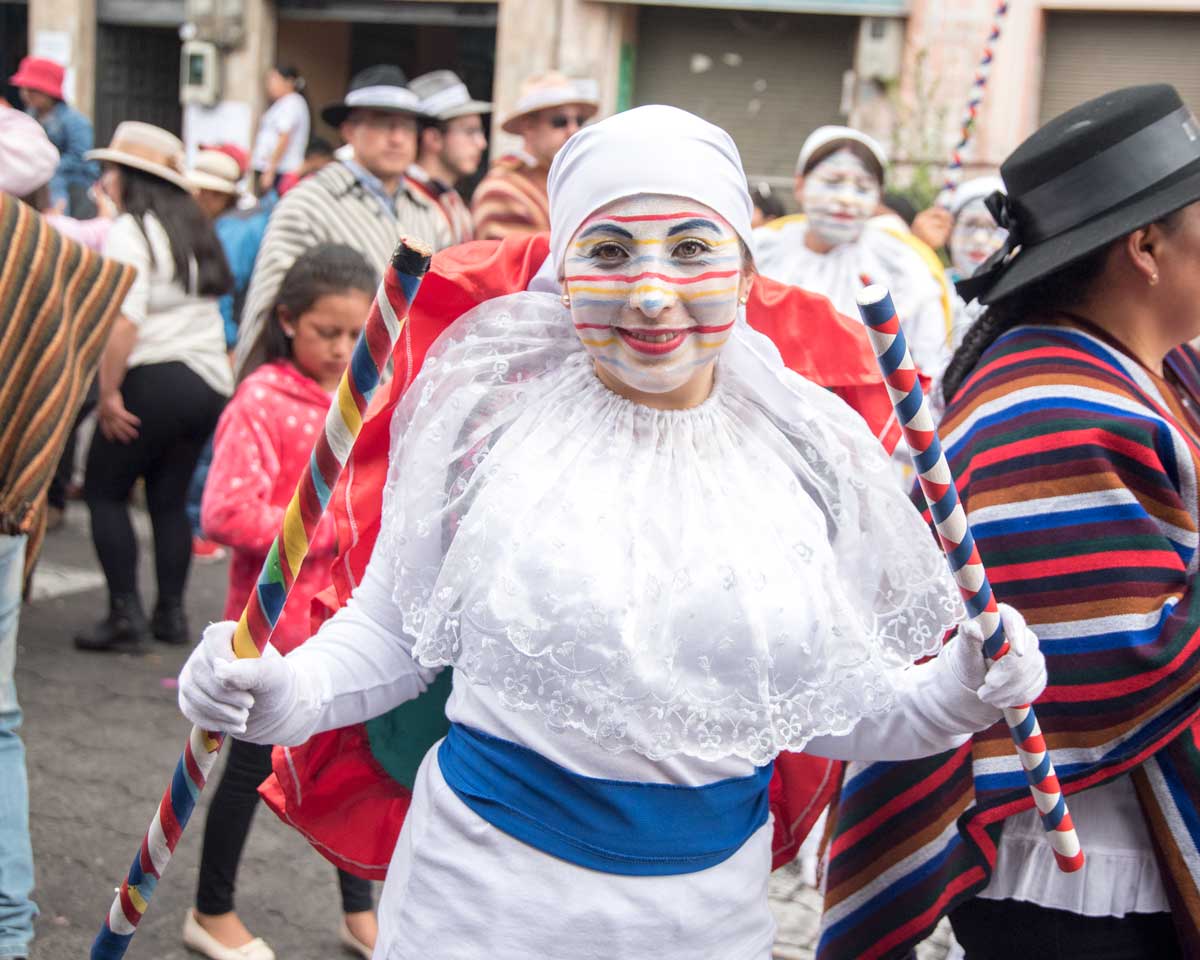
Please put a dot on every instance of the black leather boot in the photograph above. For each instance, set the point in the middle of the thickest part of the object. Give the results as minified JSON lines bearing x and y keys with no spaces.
{"x":124,"y":630}
{"x":169,"y":623}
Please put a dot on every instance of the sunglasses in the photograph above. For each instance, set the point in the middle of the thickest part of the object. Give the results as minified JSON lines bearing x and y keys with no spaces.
{"x":560,"y":121}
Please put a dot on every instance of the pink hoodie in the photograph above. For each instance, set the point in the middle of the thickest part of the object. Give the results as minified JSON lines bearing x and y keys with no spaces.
{"x":262,"y":445}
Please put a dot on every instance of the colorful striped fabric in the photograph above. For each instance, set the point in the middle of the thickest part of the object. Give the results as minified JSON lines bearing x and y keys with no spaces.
{"x":511,"y":200}
{"x":58,"y":302}
{"x":1079,"y":477}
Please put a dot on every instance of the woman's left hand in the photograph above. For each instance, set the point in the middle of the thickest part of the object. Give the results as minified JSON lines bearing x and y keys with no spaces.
{"x":1017,"y":678}
{"x":115,"y":422}
{"x":266,"y":180}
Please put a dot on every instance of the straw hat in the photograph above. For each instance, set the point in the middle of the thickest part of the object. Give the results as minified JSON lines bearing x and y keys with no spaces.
{"x":215,"y":170}
{"x":552,"y":89}
{"x":148,"y":148}
{"x":444,"y":96}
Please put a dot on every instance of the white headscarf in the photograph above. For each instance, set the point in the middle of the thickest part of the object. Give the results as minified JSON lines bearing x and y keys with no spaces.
{"x":650,"y":150}
{"x":979,"y":188}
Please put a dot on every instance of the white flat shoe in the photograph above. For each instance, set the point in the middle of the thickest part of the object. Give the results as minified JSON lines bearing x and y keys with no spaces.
{"x":195,"y":937}
{"x":352,"y":943}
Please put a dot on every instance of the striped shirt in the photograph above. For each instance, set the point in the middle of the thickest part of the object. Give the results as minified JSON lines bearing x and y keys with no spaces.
{"x":511,"y":200}
{"x":449,"y":202}
{"x":1078,"y":471}
{"x":58,"y":301}
{"x":331,"y":206}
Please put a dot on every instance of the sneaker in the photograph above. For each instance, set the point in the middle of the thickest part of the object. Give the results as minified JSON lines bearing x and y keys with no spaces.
{"x":205,"y":551}
{"x":124,"y":630}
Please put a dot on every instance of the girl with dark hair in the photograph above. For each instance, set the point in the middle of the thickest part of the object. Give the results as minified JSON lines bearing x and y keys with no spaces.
{"x":261,"y":447}
{"x":1073,"y":425}
{"x":163,"y":380}
{"x":283,"y":130}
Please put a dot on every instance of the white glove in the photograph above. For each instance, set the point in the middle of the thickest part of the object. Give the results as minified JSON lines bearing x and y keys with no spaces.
{"x":248,"y":698}
{"x":1016,"y":678}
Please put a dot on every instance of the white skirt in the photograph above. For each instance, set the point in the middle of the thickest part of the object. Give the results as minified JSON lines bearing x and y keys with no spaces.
{"x":459,"y":889}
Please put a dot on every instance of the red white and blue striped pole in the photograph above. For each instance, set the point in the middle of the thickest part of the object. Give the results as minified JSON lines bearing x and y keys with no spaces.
{"x":387,"y":318}
{"x":937,"y":484}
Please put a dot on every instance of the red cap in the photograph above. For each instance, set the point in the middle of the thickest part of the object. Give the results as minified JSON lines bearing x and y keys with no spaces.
{"x":231,"y":150}
{"x":36,"y":73}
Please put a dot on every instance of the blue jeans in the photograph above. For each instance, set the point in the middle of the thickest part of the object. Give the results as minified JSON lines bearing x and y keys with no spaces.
{"x":196,"y":487}
{"x":17,"y":910}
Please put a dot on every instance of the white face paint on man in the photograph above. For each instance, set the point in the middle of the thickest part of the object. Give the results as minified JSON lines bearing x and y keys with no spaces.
{"x":840,"y":195}
{"x":653,"y":283}
{"x":975,"y":237}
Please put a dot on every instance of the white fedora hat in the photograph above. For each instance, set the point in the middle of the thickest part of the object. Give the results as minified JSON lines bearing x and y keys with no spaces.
{"x":552,"y":89}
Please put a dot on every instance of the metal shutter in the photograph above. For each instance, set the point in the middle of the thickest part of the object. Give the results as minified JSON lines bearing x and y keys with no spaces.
{"x":1088,"y":54}
{"x":767,"y":78}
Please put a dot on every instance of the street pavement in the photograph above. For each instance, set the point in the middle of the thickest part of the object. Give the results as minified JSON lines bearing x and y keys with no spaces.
{"x":103,"y":733}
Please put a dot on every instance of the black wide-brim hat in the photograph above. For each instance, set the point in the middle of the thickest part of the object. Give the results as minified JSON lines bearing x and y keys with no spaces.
{"x":381,"y":87}
{"x":1097,"y":172}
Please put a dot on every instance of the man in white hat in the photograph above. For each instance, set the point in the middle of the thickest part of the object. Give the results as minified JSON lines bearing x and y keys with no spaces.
{"x":363,"y":201}
{"x":512,"y":198}
{"x":450,"y":146}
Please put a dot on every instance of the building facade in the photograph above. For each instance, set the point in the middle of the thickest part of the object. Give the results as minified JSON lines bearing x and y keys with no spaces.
{"x":766,"y":70}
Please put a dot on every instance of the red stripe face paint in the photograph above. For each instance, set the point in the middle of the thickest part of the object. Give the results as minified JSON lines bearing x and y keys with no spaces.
{"x":654,"y":283}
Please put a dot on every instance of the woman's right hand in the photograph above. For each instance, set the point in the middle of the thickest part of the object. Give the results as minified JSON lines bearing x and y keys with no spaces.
{"x":248,"y":698}
{"x":115,"y":422}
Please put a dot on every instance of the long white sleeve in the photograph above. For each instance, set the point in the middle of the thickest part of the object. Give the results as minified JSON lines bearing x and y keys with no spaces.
{"x":933,"y":713}
{"x":358,"y":666}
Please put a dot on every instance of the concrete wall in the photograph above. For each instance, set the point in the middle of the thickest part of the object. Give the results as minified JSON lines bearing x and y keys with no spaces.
{"x":321,"y":51}
{"x":578,"y":37}
{"x":74,"y":20}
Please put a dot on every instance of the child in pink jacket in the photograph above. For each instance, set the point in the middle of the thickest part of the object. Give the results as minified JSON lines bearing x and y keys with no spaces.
{"x":262,"y":444}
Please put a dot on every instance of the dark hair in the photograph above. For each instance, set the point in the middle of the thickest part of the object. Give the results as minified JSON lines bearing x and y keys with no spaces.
{"x":191,"y":236}
{"x":860,"y":150}
{"x":764,"y":198}
{"x":901,"y":206}
{"x":328,"y":268}
{"x":288,"y":72}
{"x":318,"y":147}
{"x":1061,"y":290}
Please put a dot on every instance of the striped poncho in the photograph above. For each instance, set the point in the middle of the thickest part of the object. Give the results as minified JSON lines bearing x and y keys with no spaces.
{"x":58,"y":302}
{"x":1080,"y":481}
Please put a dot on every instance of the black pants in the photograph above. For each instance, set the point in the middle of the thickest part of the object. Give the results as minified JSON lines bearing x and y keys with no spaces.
{"x":178,"y":411}
{"x":228,"y":825}
{"x":1010,"y":928}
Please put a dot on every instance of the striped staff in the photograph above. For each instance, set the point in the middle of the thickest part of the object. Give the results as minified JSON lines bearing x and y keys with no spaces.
{"x":955,"y":168}
{"x":388,"y":315}
{"x":937,"y":484}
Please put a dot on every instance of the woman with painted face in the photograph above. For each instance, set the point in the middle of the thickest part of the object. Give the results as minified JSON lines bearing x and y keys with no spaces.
{"x":974,"y":237}
{"x":833,"y":248}
{"x":652,"y":558}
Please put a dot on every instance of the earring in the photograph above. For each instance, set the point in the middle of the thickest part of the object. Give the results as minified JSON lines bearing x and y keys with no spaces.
{"x":566,"y":300}
{"x":744,"y":299}
{"x":1153,"y":279}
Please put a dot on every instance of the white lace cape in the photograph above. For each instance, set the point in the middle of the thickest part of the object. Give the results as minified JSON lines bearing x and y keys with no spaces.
{"x":732,"y":579}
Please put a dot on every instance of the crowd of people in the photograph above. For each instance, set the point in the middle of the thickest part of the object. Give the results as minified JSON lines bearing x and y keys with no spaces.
{"x":620,"y":592}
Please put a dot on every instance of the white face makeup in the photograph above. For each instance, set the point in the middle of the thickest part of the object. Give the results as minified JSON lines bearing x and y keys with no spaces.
{"x":975,"y":237}
{"x":653,"y":283}
{"x":840,"y":195}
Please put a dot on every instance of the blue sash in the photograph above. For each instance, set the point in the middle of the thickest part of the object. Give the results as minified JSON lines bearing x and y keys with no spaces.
{"x":614,"y":826}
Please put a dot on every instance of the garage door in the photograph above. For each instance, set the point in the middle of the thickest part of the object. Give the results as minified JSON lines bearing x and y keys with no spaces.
{"x":767,"y":78}
{"x":1088,"y":54}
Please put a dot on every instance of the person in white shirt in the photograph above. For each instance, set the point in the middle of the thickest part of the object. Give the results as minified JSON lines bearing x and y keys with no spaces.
{"x":282,"y":134}
{"x":834,"y":248}
{"x":654,"y":558}
{"x":164,"y":378}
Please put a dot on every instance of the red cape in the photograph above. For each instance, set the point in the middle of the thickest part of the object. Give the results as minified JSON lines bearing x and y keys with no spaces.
{"x":332,"y":789}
